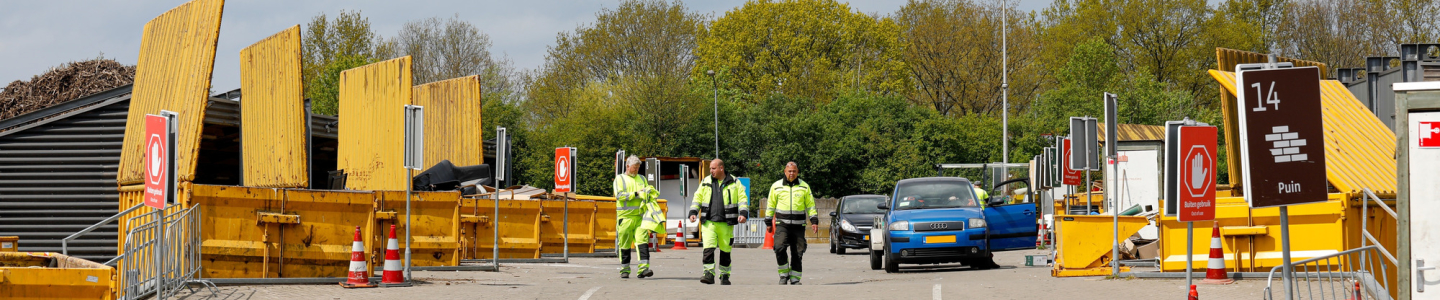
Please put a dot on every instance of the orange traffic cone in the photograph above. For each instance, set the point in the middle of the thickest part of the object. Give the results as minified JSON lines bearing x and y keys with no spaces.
{"x":679,"y":241}
{"x":1356,"y":295}
{"x":769,"y":237}
{"x":654,"y":244}
{"x":392,"y":276}
{"x":1194,"y":295}
{"x":1215,"y":268}
{"x":359,"y":277}
{"x":1039,"y":235}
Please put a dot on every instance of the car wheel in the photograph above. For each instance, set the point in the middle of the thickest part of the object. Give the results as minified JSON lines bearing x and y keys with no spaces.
{"x":891,"y":266}
{"x":875,"y":260}
{"x":839,"y":250}
{"x":832,"y":245}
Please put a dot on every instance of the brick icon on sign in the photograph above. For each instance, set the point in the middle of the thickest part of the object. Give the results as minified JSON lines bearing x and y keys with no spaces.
{"x":1287,"y":145}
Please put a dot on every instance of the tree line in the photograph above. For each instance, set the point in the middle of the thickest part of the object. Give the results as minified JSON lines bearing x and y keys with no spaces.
{"x":859,"y":100}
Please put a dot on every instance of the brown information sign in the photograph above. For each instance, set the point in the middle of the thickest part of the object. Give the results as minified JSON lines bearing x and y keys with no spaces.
{"x":1282,"y":137}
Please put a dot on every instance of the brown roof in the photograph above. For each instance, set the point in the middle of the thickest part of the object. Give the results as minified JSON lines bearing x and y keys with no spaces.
{"x":1134,"y":132}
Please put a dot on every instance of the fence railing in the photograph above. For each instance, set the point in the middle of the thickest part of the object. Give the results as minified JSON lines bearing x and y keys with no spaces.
{"x":65,"y":243}
{"x":161,"y":254}
{"x":1335,"y":276}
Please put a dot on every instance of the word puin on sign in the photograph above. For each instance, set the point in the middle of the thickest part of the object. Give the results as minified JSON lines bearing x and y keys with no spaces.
{"x":1293,"y":187}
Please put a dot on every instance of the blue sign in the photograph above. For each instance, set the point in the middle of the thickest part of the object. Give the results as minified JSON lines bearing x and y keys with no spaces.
{"x":746,"y":182}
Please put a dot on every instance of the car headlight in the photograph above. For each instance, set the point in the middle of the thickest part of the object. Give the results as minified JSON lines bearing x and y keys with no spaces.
{"x":847,"y":227}
{"x":977,"y":223}
{"x":900,"y":225}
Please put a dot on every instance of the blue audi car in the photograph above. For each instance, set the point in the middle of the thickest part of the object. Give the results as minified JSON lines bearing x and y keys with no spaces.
{"x":936,"y":220}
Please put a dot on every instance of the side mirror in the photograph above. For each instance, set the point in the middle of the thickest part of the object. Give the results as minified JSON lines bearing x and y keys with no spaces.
{"x":832,"y":214}
{"x":883,"y":206}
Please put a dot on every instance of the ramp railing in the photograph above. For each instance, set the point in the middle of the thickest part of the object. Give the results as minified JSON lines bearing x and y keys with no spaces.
{"x":1335,"y":276}
{"x":161,"y":254}
{"x":65,"y":243}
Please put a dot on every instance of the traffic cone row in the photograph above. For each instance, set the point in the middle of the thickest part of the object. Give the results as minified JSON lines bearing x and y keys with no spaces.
{"x":358,"y":277}
{"x":679,"y":241}
{"x":1215,"y":268}
{"x":393,"y":276}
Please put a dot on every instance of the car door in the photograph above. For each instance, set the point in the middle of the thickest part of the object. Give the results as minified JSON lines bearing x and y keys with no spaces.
{"x":1011,"y":223}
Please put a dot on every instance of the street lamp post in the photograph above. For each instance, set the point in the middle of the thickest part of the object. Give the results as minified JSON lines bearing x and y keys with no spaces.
{"x":716,"y":90}
{"x":1004,"y":87}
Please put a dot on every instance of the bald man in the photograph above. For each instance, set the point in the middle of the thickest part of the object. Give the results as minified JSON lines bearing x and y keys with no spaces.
{"x":720,"y":203}
{"x":791,"y":204}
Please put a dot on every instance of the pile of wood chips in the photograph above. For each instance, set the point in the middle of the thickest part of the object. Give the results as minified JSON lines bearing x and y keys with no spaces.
{"x":64,"y":83}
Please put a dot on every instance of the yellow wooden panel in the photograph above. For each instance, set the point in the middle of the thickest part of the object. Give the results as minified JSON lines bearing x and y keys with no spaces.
{"x":1359,"y":150}
{"x":372,"y":99}
{"x":452,"y":121}
{"x":272,"y":115}
{"x":177,"y":55}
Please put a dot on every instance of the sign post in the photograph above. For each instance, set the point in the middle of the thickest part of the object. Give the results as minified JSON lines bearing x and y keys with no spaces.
{"x":414,"y":160}
{"x":1281,"y":142}
{"x":502,"y":151}
{"x":160,"y":177}
{"x":565,"y":183}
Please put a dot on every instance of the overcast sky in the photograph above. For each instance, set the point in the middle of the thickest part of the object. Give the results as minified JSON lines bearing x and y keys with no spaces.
{"x":40,"y":34}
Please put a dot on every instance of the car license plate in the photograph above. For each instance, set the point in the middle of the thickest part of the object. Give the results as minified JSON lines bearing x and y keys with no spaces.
{"x":867,"y":237}
{"x":939,"y":239}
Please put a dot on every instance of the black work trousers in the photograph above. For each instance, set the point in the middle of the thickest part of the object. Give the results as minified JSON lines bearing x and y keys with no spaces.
{"x":792,"y":238}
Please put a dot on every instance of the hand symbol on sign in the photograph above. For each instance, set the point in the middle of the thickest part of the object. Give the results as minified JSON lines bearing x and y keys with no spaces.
{"x":1197,"y":172}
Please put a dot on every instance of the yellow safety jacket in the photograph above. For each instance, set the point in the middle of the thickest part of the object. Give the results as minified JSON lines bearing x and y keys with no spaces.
{"x":631,"y":194}
{"x":792,"y":203}
{"x":733,"y":193}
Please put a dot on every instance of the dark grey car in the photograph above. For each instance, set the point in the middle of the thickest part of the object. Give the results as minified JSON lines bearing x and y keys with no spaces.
{"x":851,"y":221}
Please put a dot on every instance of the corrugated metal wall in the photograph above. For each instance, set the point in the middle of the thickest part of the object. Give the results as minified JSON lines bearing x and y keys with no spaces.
{"x":57,"y":176}
{"x":273,"y":110}
{"x":372,"y":144}
{"x":452,"y":121}
{"x":177,"y":55}
{"x":1227,"y":59}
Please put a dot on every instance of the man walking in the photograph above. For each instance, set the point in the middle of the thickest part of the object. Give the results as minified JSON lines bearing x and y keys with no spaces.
{"x":720,"y":203}
{"x":790,"y":204}
{"x":633,"y":196}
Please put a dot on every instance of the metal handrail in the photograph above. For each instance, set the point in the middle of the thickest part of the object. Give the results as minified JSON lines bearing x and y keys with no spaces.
{"x":1270,"y":277}
{"x":65,"y":243}
{"x":1364,"y":223}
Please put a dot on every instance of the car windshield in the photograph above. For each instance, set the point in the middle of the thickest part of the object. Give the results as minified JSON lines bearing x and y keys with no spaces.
{"x":862,"y":205}
{"x":934,"y":194}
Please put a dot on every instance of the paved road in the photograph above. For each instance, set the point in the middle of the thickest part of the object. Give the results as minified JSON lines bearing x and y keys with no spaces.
{"x":827,"y":276}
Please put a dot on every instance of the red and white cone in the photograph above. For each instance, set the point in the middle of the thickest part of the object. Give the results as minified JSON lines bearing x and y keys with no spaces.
{"x":1215,"y":268}
{"x":1356,"y":295}
{"x":393,"y":275}
{"x":1194,"y":295}
{"x":1039,"y":235}
{"x":679,"y":241}
{"x":654,"y":244}
{"x":359,"y":277}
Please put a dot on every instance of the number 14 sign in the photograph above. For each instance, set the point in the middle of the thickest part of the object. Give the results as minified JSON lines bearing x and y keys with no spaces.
{"x":1282,"y":136}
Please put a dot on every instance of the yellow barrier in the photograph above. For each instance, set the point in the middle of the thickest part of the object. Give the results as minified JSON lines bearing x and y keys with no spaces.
{"x":1083,"y":252}
{"x":605,"y":225}
{"x":436,"y":234}
{"x":53,"y":276}
{"x":582,"y":228}
{"x":519,"y":228}
{"x":1250,"y":237}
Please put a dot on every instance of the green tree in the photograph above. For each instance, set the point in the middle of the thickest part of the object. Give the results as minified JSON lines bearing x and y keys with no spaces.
{"x":954,"y":55}
{"x":807,"y":48}
{"x":331,"y":46}
{"x":442,"y":49}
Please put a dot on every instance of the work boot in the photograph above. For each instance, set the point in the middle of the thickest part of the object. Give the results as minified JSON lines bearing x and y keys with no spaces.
{"x":625,"y":273}
{"x":784,"y":279}
{"x":725,"y":279}
{"x":794,"y":280}
{"x":646,"y":273}
{"x":708,"y":278}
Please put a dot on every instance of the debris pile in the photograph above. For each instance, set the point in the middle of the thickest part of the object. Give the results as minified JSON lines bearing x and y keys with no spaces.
{"x":64,"y":83}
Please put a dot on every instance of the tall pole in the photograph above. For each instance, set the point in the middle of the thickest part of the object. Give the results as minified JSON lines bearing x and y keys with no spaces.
{"x":1004,"y":87}
{"x":716,"y":91}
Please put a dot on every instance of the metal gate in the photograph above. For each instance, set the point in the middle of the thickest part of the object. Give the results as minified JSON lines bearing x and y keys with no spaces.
{"x":161,"y":254}
{"x":751,"y":233}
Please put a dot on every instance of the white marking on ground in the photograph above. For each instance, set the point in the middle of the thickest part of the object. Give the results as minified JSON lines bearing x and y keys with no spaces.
{"x":935,"y":293}
{"x":587,"y":294}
